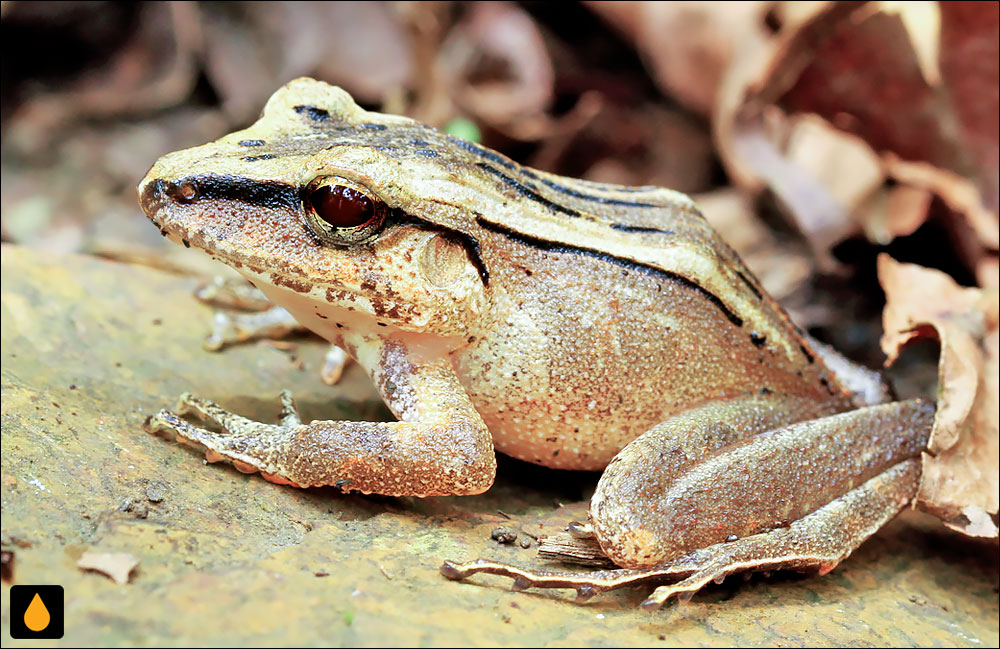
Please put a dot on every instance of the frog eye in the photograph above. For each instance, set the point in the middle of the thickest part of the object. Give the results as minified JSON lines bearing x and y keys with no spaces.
{"x":343,"y":212}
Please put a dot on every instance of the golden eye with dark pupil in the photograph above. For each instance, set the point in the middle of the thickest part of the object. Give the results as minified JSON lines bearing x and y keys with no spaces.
{"x":342,"y":207}
{"x":342,"y":212}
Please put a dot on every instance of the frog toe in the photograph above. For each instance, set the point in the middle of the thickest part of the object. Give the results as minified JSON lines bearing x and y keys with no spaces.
{"x":234,"y":328}
{"x":289,"y":410}
{"x":334,"y":364}
{"x":231,"y":423}
{"x":232,"y":293}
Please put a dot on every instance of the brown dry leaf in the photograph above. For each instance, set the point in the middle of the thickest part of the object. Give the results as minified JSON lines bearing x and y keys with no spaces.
{"x":865,"y":77}
{"x":843,"y":168}
{"x":959,"y":193}
{"x":497,"y":66}
{"x":960,"y":470}
{"x":969,"y":59}
{"x":687,"y":45}
{"x":895,"y":211}
{"x":116,"y":565}
{"x":820,"y":174}
{"x":754,"y":80}
{"x":869,"y":69}
{"x":988,"y":270}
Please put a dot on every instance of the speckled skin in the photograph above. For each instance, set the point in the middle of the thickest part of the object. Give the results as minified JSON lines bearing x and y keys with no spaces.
{"x":655,"y":501}
{"x":552,"y":319}
{"x":816,"y":543}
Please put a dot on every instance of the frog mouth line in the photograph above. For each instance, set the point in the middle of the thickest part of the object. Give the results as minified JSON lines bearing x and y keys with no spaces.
{"x":261,"y":269}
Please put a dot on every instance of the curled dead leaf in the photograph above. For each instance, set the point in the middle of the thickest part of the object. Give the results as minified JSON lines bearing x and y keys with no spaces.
{"x":912,"y":83}
{"x":960,"y":479}
{"x":959,"y":193}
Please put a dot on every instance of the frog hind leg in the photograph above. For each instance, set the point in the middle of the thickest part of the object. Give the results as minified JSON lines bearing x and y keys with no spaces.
{"x":760,"y":483}
{"x":800,"y":496}
{"x":816,"y":542}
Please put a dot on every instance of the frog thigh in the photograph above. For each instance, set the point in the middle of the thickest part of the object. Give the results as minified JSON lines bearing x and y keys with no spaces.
{"x":650,"y":507}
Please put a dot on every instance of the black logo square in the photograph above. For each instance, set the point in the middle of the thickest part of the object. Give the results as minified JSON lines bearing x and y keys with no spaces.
{"x":36,"y":612}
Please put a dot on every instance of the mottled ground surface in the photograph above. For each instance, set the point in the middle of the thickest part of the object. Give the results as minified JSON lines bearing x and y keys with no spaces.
{"x":226,"y":558}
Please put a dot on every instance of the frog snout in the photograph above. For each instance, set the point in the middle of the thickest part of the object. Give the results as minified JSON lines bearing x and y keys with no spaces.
{"x":152,"y":197}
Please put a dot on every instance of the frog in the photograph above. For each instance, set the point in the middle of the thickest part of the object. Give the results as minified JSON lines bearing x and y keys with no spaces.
{"x":568,"y":323}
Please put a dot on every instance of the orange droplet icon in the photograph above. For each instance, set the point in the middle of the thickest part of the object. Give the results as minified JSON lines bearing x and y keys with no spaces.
{"x":36,"y":616}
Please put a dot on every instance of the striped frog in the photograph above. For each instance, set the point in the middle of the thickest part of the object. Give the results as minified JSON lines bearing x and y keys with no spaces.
{"x":573,"y":324}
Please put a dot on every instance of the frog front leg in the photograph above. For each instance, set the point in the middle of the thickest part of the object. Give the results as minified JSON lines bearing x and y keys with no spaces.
{"x":803,"y":496}
{"x":243,"y":312}
{"x":440,"y":446}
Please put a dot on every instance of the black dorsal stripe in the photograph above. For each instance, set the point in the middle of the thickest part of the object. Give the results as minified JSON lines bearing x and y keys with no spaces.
{"x":750,"y":285}
{"x":575,"y":193}
{"x":483,"y":152}
{"x":528,"y":192}
{"x":261,"y":193}
{"x":552,"y":246}
{"x":506,"y":163}
{"x":624,"y":227}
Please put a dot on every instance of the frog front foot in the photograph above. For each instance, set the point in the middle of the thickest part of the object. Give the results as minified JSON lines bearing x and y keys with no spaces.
{"x":442,"y":446}
{"x":814,"y":543}
{"x":242,"y":441}
{"x":243,"y":313}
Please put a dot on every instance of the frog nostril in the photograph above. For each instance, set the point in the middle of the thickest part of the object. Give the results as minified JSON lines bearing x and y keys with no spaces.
{"x":187,"y":191}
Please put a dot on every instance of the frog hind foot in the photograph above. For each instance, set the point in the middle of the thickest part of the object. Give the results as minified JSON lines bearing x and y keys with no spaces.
{"x":242,"y":313}
{"x":238,"y":437}
{"x":232,"y":293}
{"x":816,"y":542}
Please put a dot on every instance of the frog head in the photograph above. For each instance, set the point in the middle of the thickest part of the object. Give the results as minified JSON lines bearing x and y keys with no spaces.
{"x":335,"y":208}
